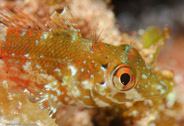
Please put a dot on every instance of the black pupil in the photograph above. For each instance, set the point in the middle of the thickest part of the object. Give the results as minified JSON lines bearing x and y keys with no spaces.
{"x":125,"y":78}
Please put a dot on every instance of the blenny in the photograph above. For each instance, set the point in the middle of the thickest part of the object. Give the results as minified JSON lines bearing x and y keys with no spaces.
{"x":86,"y":72}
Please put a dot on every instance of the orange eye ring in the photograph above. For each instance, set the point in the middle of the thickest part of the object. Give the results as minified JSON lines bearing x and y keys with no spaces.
{"x":123,"y":78}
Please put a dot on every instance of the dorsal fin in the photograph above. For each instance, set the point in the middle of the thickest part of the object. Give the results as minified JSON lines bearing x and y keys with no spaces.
{"x":96,"y":37}
{"x":65,"y":20}
{"x":19,"y":19}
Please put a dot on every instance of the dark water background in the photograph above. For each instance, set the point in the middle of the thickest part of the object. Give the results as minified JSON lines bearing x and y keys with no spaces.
{"x":136,"y":14}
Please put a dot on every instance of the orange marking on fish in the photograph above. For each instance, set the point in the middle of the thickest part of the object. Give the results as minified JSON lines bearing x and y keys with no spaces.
{"x":102,"y":47}
{"x":63,"y":57}
{"x":79,"y":62}
{"x":90,"y":65}
{"x":17,"y":32}
{"x":87,"y":76}
{"x":9,"y":30}
{"x":24,"y":59}
{"x":132,"y":51}
{"x":30,"y":33}
{"x":39,"y":34}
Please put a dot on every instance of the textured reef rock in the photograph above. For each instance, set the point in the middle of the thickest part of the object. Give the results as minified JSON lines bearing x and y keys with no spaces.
{"x":15,"y":108}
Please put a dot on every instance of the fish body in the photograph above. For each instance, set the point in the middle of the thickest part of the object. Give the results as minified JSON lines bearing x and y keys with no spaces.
{"x":85,"y":72}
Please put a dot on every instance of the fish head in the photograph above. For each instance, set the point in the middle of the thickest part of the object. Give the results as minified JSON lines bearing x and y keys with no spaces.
{"x":127,"y":78}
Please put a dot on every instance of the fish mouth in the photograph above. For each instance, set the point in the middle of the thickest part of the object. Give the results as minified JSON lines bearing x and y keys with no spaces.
{"x":158,"y":90}
{"x":161,"y":93}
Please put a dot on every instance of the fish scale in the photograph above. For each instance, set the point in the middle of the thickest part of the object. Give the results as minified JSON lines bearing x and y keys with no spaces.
{"x":84,"y":72}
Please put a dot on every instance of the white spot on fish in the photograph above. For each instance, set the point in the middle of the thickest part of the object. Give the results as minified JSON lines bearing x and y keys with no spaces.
{"x":36,"y":42}
{"x":23,"y":33}
{"x":103,"y":68}
{"x":53,"y":97}
{"x":111,"y":97}
{"x":27,"y":65}
{"x":26,"y":55}
{"x":100,"y":103}
{"x":159,"y":87}
{"x":133,"y":95}
{"x":59,"y":103}
{"x":73,"y":70}
{"x":54,"y":89}
{"x":50,"y":86}
{"x":91,"y":76}
{"x":82,"y":69}
{"x":87,"y":84}
{"x":57,"y":70}
{"x":162,"y":91}
{"x":45,"y":35}
{"x":58,"y":92}
{"x":86,"y":96}
{"x":134,"y":113}
{"x":144,"y":76}
{"x":76,"y":91}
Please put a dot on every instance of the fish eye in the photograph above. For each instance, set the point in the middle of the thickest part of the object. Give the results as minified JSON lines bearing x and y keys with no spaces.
{"x":123,"y":78}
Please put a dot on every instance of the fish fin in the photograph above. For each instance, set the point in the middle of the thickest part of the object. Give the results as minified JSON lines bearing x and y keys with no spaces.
{"x":48,"y":97}
{"x":65,"y":20}
{"x":18,"y":19}
{"x":95,"y":35}
{"x":52,"y":110}
{"x":43,"y":103}
{"x":43,"y":100}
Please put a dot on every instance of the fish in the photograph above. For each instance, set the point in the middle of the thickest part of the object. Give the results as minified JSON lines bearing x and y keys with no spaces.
{"x":83,"y":72}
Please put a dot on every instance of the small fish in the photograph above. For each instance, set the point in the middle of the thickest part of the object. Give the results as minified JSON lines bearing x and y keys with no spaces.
{"x":86,"y":72}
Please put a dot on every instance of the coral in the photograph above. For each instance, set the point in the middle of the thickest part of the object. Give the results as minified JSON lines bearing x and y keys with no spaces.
{"x":17,"y":109}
